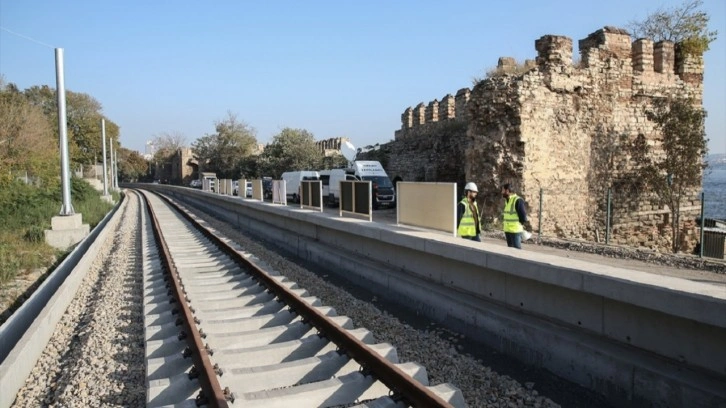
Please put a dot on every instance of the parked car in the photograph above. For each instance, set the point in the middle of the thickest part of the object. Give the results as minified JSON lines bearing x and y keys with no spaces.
{"x":196,"y":183}
{"x":248,"y":189}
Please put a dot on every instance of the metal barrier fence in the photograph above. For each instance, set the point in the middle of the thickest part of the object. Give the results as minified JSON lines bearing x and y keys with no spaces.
{"x":616,"y":210}
{"x":279,"y":192}
{"x":356,"y":198}
{"x":311,"y":195}
{"x":427,"y":205}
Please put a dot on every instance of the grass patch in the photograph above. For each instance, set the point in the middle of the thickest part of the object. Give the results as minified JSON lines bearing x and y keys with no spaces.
{"x":25,"y":213}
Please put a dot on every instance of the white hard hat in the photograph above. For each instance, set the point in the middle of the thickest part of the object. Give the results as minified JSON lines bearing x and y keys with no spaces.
{"x":471,"y":187}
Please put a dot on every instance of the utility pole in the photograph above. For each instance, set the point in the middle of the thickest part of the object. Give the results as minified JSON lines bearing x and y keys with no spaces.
{"x":115,"y":175}
{"x":110,"y":142}
{"x":67,"y":228}
{"x":67,"y":207}
{"x":105,"y":174}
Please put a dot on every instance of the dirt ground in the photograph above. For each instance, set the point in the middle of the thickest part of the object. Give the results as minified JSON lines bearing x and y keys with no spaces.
{"x":14,"y":293}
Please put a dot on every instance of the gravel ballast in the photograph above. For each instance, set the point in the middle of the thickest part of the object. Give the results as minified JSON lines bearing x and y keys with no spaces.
{"x":96,"y":355}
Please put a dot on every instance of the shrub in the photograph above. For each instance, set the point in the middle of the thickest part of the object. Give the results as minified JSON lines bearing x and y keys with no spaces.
{"x":34,"y":234}
{"x":25,"y":212}
{"x":81,"y":190}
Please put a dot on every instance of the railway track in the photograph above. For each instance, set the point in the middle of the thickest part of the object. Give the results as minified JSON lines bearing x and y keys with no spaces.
{"x":223,"y":329}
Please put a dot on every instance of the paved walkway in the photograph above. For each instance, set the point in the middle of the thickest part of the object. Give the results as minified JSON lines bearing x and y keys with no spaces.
{"x":388,"y":216}
{"x":634,"y":264}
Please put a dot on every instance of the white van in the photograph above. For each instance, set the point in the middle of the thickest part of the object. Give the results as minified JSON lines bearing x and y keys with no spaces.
{"x":384,"y":193}
{"x":331,"y":183}
{"x":292,"y":182}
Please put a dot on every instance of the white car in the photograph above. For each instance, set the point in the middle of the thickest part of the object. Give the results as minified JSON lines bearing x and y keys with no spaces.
{"x":248,"y":188}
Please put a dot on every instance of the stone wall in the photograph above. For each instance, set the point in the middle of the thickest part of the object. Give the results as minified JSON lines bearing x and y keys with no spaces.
{"x":184,"y":167}
{"x":330,"y":147}
{"x":556,"y":128}
{"x":422,"y":119}
{"x":432,"y":152}
{"x":551,"y":128}
{"x":431,"y":144}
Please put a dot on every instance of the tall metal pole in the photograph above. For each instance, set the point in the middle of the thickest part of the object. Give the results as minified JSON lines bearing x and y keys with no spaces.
{"x":115,"y":176}
{"x":607,"y":221}
{"x":539,"y":219}
{"x":105,"y":174}
{"x":67,"y":207}
{"x":703,"y":224}
{"x":110,"y":142}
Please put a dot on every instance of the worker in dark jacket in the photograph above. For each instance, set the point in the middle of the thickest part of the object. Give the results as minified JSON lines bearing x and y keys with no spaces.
{"x":514,"y":217}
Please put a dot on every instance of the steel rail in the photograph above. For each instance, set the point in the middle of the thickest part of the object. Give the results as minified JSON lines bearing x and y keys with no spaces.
{"x":205,"y":371}
{"x":403,"y":385}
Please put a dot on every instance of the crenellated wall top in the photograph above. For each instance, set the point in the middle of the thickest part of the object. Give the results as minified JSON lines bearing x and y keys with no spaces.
{"x":643,"y":58}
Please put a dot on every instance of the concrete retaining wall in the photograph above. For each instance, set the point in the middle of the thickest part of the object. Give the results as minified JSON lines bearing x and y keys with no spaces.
{"x":632,"y":336}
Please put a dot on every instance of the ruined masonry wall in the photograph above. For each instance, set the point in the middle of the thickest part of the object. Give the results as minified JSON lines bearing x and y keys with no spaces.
{"x":541,"y":130}
{"x":431,"y":144}
{"x":331,"y":146}
{"x":423,"y":118}
{"x":433,"y":152}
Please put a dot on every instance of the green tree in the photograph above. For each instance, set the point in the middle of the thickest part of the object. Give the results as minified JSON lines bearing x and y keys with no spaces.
{"x":290,"y":150}
{"x":27,"y":142}
{"x":685,"y":23}
{"x":166,"y":144}
{"x":83,"y":117}
{"x":83,"y":122}
{"x":674,"y":176}
{"x":222,"y":151}
{"x":249,"y":167}
{"x":132,"y":166}
{"x":44,"y":98}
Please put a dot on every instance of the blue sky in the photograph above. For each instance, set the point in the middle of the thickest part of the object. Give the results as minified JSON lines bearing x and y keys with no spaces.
{"x":335,"y":68}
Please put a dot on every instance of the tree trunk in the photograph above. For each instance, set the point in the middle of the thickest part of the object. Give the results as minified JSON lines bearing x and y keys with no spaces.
{"x":676,"y":232}
{"x":674,"y":227}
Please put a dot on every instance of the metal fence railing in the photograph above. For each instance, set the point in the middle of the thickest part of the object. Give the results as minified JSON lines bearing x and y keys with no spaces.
{"x":572,"y":214}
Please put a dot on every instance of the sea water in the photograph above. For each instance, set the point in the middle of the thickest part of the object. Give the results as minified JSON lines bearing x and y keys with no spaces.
{"x":714,"y":189}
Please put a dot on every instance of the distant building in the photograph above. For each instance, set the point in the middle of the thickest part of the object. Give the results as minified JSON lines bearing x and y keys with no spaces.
{"x":179,"y":169}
